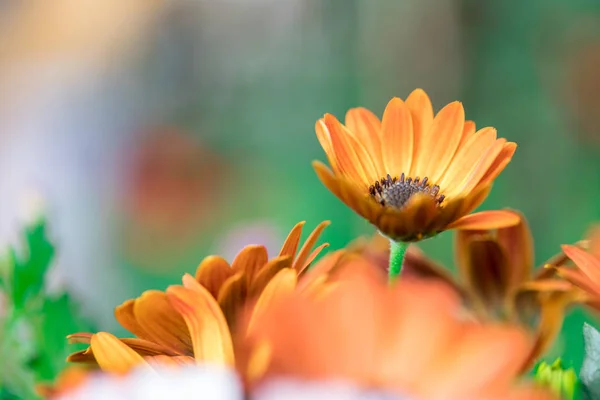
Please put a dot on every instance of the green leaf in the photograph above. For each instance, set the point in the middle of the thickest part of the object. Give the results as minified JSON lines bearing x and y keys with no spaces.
{"x":590,"y":370}
{"x":28,"y":273}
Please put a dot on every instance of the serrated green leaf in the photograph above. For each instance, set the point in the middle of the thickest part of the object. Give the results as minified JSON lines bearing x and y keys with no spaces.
{"x":590,"y":370}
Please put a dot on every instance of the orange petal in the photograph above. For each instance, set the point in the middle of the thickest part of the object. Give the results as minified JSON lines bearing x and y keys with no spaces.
{"x":250,"y":260}
{"x":397,"y":138}
{"x":486,"y":274}
{"x":507,"y":346}
{"x":112,"y":355}
{"x":209,"y":331}
{"x":366,"y":127}
{"x":146,"y":347}
{"x":372,"y":173}
{"x":499,"y":163}
{"x":483,"y":165}
{"x":267,"y":273}
{"x":348,"y":163}
{"x":290,"y":246}
{"x":125,"y":316}
{"x":164,"y":325}
{"x":300,"y":262}
{"x":440,"y":145}
{"x":421,"y":113}
{"x":588,"y":263}
{"x":212,"y":272}
{"x":325,"y":140}
{"x":167,"y":361}
{"x":327,"y":178}
{"x":233,"y":295}
{"x":517,"y":243}
{"x":485,"y":220}
{"x":579,"y":279}
{"x":468,"y":130}
{"x":312,"y":256}
{"x":282,"y":284}
{"x":466,"y":161}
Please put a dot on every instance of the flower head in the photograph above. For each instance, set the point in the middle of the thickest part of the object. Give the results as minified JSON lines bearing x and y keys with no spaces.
{"x":192,"y":322}
{"x":413,"y":175}
{"x":408,"y":338}
{"x":586,"y":275}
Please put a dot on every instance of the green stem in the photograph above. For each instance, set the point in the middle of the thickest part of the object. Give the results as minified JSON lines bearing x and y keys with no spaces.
{"x":397,"y":252}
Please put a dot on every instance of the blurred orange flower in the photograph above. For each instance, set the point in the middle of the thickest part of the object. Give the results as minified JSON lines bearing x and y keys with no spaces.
{"x":410,"y":174}
{"x":193,"y":322}
{"x":408,"y":338}
{"x":69,"y":379}
{"x":497,"y":281}
{"x":586,"y":275}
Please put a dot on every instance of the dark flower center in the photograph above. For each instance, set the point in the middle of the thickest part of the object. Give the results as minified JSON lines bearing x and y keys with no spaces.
{"x":396,"y":192}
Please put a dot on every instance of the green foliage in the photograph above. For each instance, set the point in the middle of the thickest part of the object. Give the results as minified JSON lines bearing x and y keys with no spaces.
{"x":590,"y":370}
{"x":33,"y":323}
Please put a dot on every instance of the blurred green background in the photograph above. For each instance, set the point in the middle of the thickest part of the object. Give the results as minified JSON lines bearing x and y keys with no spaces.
{"x":158,"y":133}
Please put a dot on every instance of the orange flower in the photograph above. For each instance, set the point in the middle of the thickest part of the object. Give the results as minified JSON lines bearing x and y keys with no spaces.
{"x":406,"y":338}
{"x":587,"y":274}
{"x":410,"y":174}
{"x":497,"y":281}
{"x":193,"y":322}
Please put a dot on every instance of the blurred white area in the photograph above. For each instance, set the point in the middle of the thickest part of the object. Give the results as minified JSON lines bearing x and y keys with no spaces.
{"x":185,"y":383}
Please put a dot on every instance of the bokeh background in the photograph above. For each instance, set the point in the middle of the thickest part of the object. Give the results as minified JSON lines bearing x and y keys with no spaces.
{"x":157,"y":132}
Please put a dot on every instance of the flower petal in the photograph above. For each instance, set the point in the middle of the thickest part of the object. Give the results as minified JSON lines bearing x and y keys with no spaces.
{"x":421,"y":113}
{"x":112,"y":355}
{"x":588,"y":263}
{"x":517,"y":243}
{"x":163,"y":324}
{"x":397,"y":138}
{"x":300,"y":262}
{"x":501,"y":161}
{"x":466,"y":160}
{"x":125,"y":316}
{"x":207,"y":325}
{"x":232,"y":296}
{"x":167,"y":361}
{"x":250,"y":260}
{"x":282,"y":284}
{"x":366,"y":127}
{"x":267,"y":273}
{"x":212,"y":272}
{"x":440,"y":145}
{"x":485,"y":220}
{"x":290,"y":246}
{"x":468,"y":130}
{"x":348,"y":163}
{"x":486,"y":274}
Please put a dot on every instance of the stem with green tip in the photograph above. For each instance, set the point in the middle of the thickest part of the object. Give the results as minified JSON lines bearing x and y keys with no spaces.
{"x":397,"y":253}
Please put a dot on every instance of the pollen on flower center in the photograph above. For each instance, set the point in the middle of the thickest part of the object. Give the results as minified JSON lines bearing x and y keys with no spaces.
{"x":396,"y":192}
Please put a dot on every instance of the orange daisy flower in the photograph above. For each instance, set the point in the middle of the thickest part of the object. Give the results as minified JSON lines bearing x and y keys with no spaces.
{"x":413,"y":175}
{"x":587,"y":274}
{"x":410,"y":339}
{"x":193,"y":322}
